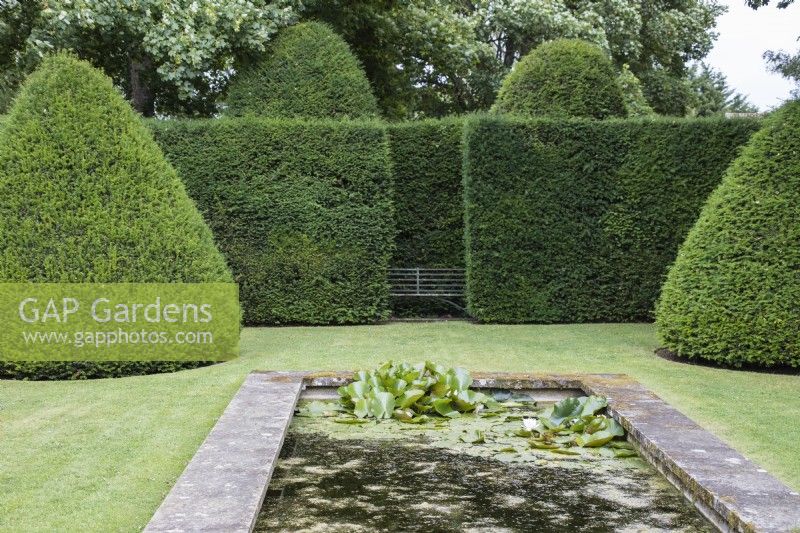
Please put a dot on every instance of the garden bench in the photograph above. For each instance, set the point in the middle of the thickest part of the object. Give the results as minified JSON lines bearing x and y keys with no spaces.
{"x":441,"y":283}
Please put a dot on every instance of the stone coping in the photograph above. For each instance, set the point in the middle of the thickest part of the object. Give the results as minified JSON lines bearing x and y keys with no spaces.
{"x":223,"y":486}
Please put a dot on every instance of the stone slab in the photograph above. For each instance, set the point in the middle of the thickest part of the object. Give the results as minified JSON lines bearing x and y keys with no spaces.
{"x":223,"y":487}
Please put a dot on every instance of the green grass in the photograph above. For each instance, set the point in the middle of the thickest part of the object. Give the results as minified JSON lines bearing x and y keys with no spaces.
{"x":101,"y":455}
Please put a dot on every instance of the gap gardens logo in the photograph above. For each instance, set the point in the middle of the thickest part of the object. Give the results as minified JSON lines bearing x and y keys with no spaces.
{"x":119,"y":321}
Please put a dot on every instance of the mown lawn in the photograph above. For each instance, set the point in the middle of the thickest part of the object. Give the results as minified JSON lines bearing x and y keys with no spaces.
{"x":101,"y":455}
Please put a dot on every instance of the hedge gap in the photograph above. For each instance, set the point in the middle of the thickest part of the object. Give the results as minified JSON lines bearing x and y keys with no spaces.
{"x":429,"y":205}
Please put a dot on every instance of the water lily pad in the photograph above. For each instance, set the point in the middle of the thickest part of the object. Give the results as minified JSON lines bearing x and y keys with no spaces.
{"x":473,"y":436}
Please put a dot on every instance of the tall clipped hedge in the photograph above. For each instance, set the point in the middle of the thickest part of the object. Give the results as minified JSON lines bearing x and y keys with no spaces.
{"x":733,"y":294}
{"x":427,"y":159}
{"x":308,"y":71}
{"x":577,"y":221}
{"x":302,"y":211}
{"x":429,"y":204}
{"x":563,"y":78}
{"x":87,"y":196}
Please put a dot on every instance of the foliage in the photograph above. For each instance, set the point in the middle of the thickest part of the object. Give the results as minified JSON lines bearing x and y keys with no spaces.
{"x":635,"y":103}
{"x":755,"y":4}
{"x":432,"y":58}
{"x":16,"y":19}
{"x":417,"y":54}
{"x":787,"y":65}
{"x":87,"y":196}
{"x":180,"y":52}
{"x":302,"y":211}
{"x":574,"y":422}
{"x":421,"y":392}
{"x":429,"y":204}
{"x":564,"y":78}
{"x":667,"y":93}
{"x":412,"y":393}
{"x":308,"y":71}
{"x":422,"y":57}
{"x":711,"y":94}
{"x":577,"y":221}
{"x":67,"y":370}
{"x":731,"y":297}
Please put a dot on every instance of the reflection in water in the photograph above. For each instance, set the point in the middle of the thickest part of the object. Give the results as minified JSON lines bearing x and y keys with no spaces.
{"x":324,"y":483}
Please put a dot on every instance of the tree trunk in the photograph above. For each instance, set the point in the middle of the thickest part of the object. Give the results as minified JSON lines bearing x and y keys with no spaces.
{"x":509,"y":53}
{"x":140,"y":92}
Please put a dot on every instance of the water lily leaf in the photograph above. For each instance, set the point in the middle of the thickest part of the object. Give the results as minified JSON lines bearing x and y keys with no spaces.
{"x":435,"y":369}
{"x":600,"y":438}
{"x":564,"y":451}
{"x":622,"y":454}
{"x":381,"y":405}
{"x":421,"y":419}
{"x":395,"y":386}
{"x":511,"y":404}
{"x":349,"y":420}
{"x":466,"y":400}
{"x":602,"y":451}
{"x":508,"y":449}
{"x":356,"y":389}
{"x":621,"y":445}
{"x":519,"y":433}
{"x":565,"y":439}
{"x":403,"y":415}
{"x":473,"y":436}
{"x":410,"y":397}
{"x":461,"y":379}
{"x":361,"y":409}
{"x":614,"y":427}
{"x":441,"y":387}
{"x":443,"y":407}
{"x":539,"y":445}
{"x":566,"y":409}
{"x":593,"y":404}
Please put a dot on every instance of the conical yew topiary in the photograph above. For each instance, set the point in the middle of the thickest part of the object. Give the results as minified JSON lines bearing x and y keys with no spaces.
{"x":85,"y":193}
{"x":308,"y":71}
{"x":562,"y":78}
{"x":733,"y":294}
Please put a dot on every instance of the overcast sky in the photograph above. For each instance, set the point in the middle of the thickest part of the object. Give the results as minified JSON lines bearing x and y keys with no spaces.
{"x":744,"y":35}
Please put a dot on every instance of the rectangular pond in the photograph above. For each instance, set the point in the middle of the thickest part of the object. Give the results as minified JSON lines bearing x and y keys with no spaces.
{"x":392,"y":476}
{"x":263,"y":468}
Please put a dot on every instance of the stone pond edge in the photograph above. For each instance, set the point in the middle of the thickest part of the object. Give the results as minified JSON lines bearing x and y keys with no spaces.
{"x":223,"y":486}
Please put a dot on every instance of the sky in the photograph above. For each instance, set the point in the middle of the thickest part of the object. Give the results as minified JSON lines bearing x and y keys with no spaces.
{"x":744,"y":35}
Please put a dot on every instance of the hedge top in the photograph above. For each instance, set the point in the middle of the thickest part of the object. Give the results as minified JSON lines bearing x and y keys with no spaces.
{"x":85,"y":193}
{"x":309,"y":72}
{"x":733,"y":293}
{"x":563,"y":78}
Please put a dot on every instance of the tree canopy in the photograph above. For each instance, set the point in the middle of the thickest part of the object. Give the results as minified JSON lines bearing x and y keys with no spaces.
{"x":435,"y":57}
{"x":176,"y":54}
{"x":422,"y":57}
